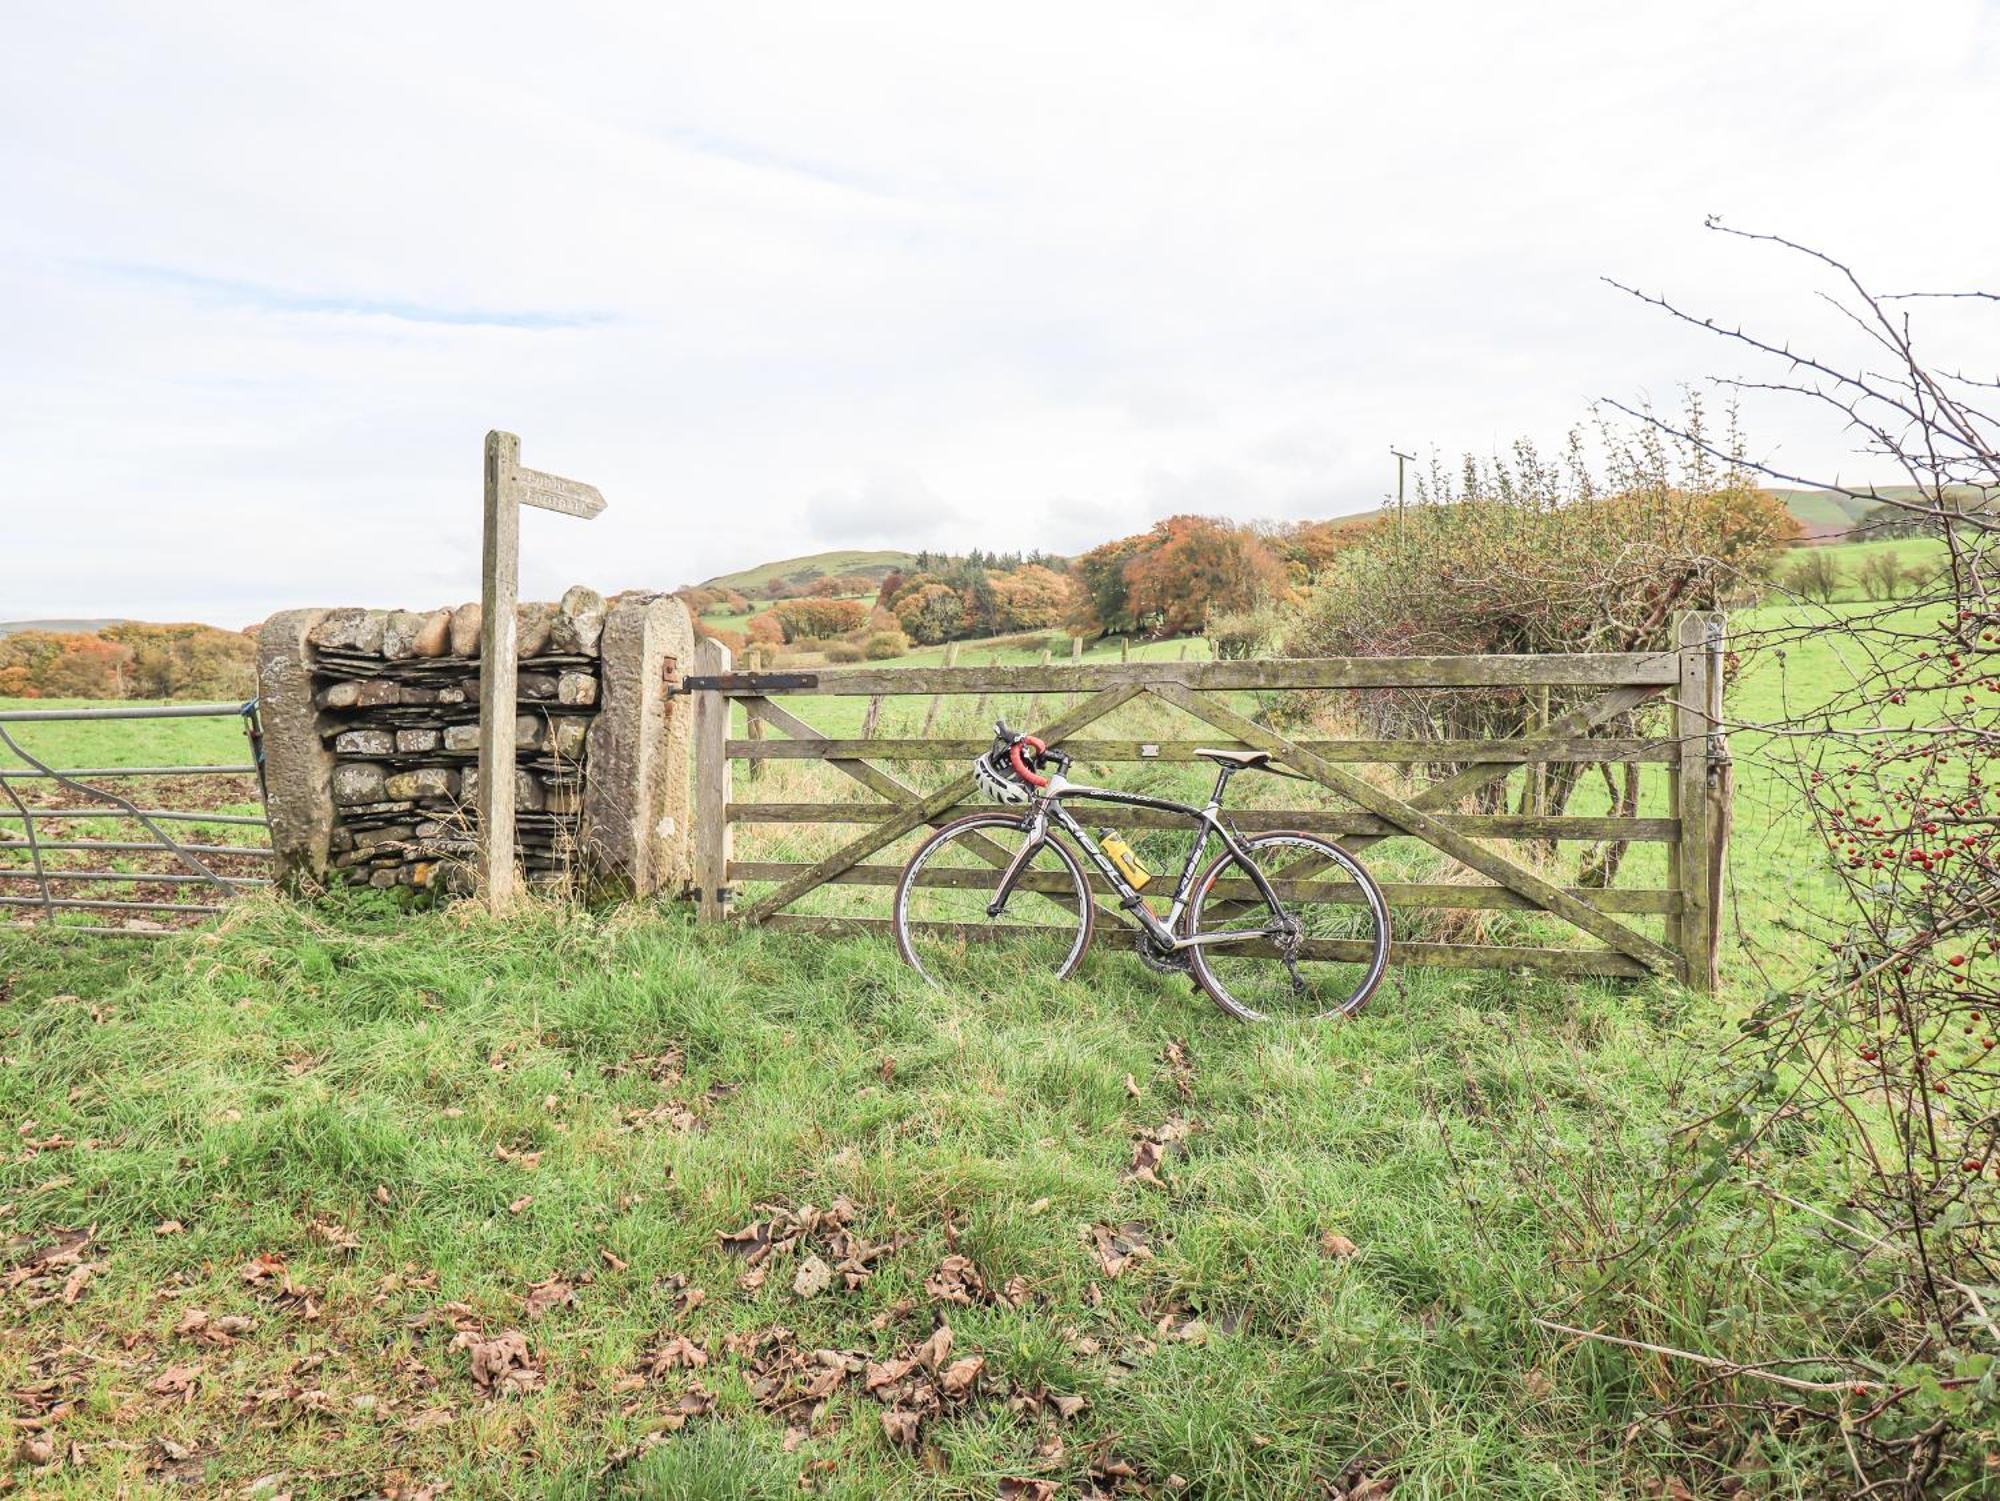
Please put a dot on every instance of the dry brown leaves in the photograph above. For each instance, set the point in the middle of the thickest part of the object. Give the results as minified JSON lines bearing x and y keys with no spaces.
{"x":1337,"y":1246}
{"x":1119,"y":1246}
{"x":220,"y":1330}
{"x":959,"y":1280}
{"x":1360,"y":1482}
{"x":334,"y":1235}
{"x":273,"y":1282}
{"x":502,"y":1364}
{"x":55,"y":1271}
{"x":832,"y":1248}
{"x":1150,"y":1150}
{"x":674,"y":1353}
{"x":546,"y":1296}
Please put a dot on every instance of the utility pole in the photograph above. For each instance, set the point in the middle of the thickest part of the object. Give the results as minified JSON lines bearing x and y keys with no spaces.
{"x":1401,"y":459}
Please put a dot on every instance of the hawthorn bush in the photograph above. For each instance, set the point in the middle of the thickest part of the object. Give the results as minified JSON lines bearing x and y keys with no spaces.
{"x":1887,"y":1040}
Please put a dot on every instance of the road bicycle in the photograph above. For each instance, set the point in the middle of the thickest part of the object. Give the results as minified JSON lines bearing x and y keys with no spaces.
{"x":1278,"y":925}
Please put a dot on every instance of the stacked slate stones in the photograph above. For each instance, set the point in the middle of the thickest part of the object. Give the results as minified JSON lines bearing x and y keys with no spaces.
{"x":397,"y":694}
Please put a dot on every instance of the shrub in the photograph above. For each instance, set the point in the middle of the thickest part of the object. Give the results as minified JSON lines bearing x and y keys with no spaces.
{"x":800,"y":618}
{"x":1242,"y":634}
{"x":882,"y":645}
{"x":1525,"y":555}
{"x":766,"y":629}
{"x":1882,"y":575}
{"x":840,"y":651}
{"x":1814,"y":575}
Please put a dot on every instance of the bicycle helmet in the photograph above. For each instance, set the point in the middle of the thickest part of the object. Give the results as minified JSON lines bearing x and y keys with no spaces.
{"x":995,"y":775}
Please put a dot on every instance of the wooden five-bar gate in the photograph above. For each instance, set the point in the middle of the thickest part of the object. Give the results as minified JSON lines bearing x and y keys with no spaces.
{"x":1690,"y":745}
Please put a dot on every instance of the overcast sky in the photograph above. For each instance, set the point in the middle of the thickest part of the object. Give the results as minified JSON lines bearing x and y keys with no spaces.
{"x":781,"y":278}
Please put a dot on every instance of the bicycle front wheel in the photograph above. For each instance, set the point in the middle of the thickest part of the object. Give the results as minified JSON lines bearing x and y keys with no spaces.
{"x":945,"y":933}
{"x":1319,"y":954}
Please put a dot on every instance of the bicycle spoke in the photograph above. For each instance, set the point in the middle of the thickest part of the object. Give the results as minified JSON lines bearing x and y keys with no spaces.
{"x":944,"y":928}
{"x":1321,"y":948}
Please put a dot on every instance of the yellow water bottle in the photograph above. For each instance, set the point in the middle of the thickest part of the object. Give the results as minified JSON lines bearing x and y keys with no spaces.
{"x":1120,"y":854}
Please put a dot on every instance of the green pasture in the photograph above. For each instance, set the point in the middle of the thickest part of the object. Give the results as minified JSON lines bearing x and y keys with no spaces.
{"x":329,"y":1156}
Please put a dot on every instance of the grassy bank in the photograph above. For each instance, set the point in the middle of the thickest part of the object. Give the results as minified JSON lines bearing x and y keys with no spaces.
{"x":282,"y":1196}
{"x":325,"y":1160}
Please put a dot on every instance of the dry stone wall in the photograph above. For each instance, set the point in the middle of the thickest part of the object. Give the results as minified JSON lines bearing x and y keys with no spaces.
{"x":372,"y":729}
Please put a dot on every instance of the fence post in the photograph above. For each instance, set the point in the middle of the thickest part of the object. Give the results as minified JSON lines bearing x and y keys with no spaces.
{"x":931,"y":712}
{"x":1690,"y":865}
{"x":711,"y":787}
{"x":1720,"y":801}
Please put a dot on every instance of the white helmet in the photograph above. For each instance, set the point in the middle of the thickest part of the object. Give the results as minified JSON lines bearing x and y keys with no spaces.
{"x":995,"y":775}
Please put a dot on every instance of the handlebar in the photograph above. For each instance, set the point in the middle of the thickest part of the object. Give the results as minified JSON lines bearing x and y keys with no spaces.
{"x":1027,"y":754}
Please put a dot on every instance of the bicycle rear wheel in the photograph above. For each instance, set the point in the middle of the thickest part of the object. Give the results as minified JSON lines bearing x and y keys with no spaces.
{"x":1324,"y":948}
{"x":943,"y":930}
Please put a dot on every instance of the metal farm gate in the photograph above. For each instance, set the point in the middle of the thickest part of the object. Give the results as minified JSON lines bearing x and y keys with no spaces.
{"x":70,"y":843}
{"x":1693,"y":755}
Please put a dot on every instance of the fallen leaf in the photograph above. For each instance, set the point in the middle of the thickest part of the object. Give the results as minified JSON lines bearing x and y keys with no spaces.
{"x":886,"y":1373}
{"x":612,"y":1259}
{"x":548,"y":1295}
{"x":1026,"y":1490}
{"x":960,"y":1374}
{"x":501,"y":1364}
{"x":900,"y":1424}
{"x":1118,"y":1248}
{"x":934,"y":1351}
{"x":814,"y":1277}
{"x":677,"y":1353}
{"x":175,"y":1380}
{"x":521,"y":1203}
{"x":1335,"y":1244}
{"x":169,"y":1227}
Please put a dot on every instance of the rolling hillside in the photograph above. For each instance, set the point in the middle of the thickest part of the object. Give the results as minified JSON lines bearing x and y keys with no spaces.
{"x":61,"y":627}
{"x":872,"y":564}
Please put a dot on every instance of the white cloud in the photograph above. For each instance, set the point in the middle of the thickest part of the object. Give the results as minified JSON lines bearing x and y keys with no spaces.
{"x":265,"y":280}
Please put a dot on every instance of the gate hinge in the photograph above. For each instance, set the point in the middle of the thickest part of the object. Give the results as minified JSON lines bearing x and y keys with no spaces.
{"x":747,"y":682}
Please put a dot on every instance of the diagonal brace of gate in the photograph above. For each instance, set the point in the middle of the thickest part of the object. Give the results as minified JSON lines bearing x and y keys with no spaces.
{"x":925,"y":811}
{"x":1413,"y":820}
{"x":893,"y":788}
{"x":1439,"y":796}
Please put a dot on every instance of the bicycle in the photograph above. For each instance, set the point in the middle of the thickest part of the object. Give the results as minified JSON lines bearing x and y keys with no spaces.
{"x":1260,"y":944}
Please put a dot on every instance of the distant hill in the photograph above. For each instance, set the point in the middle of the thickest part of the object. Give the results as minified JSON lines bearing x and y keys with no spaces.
{"x":1823,"y":513}
{"x":1829,"y":516}
{"x":874,"y":565}
{"x":62,"y":627}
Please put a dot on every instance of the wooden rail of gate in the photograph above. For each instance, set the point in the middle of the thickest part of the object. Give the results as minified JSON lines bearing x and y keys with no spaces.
{"x":1693,"y":750}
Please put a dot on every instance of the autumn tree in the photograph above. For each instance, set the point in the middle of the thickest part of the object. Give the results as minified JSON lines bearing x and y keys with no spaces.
{"x":1033,"y":597}
{"x":1191,"y":566}
{"x":186,"y":660}
{"x":930,"y":613}
{"x":62,"y":664}
{"x":818,"y":619}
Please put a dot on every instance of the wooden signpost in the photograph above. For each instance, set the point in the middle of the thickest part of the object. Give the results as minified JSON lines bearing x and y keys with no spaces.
{"x":508,"y":488}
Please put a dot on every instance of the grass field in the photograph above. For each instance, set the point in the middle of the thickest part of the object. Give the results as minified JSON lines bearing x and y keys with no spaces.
{"x":356,"y":1203}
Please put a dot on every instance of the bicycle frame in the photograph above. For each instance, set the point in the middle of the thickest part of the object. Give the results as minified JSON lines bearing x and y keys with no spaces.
{"x":1048,"y":804}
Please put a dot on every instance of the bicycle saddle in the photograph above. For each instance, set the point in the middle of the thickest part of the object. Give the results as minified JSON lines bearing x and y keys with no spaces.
{"x":1238,"y":759}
